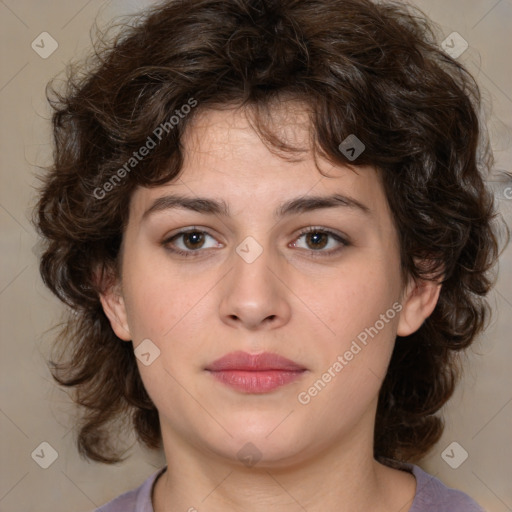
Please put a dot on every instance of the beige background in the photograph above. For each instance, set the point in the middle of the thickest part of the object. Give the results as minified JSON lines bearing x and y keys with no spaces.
{"x":33,"y":410}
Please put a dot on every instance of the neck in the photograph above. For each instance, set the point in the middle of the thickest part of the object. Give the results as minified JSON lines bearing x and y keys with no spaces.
{"x":342,"y":477}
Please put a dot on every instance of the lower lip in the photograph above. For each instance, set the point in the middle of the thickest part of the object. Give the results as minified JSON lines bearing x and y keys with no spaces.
{"x":256,"y":381}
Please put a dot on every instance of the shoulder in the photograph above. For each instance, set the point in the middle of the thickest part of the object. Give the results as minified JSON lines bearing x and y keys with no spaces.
{"x":136,"y":500}
{"x":432,"y":494}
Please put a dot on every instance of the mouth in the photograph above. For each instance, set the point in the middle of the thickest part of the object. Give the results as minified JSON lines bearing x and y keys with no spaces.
{"x":255,"y":373}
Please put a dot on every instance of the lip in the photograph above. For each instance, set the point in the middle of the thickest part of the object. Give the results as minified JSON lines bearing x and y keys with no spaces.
{"x":255,"y":373}
{"x":253,"y":362}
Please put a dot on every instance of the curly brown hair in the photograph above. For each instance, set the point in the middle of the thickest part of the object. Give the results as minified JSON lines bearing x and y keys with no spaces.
{"x":364,"y":68}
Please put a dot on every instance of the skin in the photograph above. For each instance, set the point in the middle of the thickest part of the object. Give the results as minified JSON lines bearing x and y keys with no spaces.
{"x":303,"y":306}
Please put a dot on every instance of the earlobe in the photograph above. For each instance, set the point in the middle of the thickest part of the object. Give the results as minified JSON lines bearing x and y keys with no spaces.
{"x":419,"y":302}
{"x":115,"y":310}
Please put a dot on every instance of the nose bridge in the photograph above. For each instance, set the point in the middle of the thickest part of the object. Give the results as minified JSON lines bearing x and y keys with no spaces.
{"x":252,"y":263}
{"x":253,"y":293}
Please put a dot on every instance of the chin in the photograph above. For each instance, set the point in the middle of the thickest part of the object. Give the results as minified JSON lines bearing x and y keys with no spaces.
{"x":269,"y":443}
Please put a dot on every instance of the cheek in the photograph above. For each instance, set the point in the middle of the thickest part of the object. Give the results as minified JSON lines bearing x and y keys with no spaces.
{"x":158,"y":295}
{"x":170,"y":310}
{"x":355,"y":300}
{"x":353,"y":370}
{"x":361,"y":310}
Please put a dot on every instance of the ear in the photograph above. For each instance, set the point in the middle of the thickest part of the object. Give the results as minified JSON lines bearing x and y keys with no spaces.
{"x":114,"y":307}
{"x":418,"y":303}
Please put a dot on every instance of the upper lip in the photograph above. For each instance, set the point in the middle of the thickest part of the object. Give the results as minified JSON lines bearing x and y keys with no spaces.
{"x":253,"y":362}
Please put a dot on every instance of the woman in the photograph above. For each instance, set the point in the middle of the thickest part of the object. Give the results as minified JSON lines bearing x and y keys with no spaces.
{"x":270,"y":221}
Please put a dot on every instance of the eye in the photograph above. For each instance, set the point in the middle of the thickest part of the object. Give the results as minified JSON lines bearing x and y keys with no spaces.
{"x":317,"y":239}
{"x":192,"y":240}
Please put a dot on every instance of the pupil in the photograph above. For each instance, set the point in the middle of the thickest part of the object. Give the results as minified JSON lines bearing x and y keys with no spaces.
{"x":316,"y":236}
{"x":196,"y":238}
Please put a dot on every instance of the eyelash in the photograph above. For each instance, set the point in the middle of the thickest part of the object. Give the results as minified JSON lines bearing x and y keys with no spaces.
{"x":312,"y":229}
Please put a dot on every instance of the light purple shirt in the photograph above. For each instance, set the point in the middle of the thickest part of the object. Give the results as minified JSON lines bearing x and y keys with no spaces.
{"x":431,"y":496}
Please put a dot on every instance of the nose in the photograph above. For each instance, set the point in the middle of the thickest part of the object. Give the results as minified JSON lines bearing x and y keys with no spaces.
{"x":254,"y":293}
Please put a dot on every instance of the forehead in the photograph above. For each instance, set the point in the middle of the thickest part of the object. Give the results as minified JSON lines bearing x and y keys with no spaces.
{"x":225,"y":157}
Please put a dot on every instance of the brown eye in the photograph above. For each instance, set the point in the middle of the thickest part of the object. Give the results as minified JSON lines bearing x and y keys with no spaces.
{"x":188,"y":243}
{"x":317,"y":239}
{"x":193,"y":239}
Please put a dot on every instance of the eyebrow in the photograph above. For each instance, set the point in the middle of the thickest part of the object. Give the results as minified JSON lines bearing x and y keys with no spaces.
{"x":219,"y":207}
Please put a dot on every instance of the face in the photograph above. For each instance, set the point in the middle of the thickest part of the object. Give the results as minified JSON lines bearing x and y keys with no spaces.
{"x":251,"y":279}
